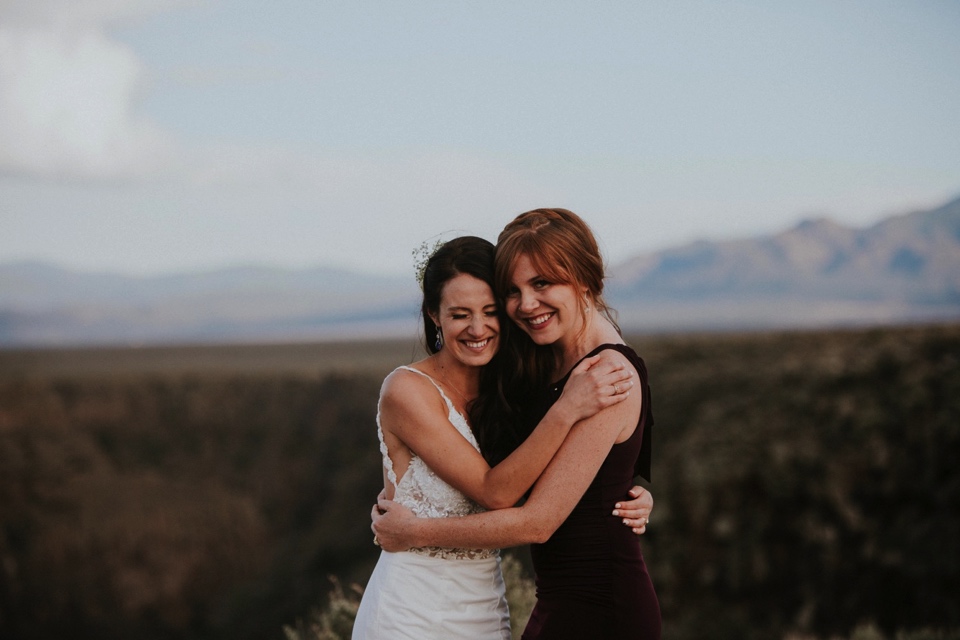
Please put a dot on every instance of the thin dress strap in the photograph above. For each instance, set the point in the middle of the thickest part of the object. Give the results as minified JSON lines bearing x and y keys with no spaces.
{"x":434,"y":382}
{"x":387,"y":460}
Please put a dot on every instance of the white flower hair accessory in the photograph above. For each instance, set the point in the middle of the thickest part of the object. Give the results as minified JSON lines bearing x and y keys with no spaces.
{"x":422,"y":255}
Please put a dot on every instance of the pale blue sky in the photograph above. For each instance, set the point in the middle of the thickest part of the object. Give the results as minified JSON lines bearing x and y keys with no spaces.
{"x":144,"y":136}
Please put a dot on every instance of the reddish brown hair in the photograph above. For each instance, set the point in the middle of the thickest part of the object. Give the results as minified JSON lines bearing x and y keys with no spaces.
{"x":562,"y":249}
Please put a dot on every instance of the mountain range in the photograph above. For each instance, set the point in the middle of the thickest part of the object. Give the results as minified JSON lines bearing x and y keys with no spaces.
{"x":903,"y":269}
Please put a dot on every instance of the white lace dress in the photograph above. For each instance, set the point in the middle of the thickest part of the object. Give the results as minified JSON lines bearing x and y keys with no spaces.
{"x":433,"y":592}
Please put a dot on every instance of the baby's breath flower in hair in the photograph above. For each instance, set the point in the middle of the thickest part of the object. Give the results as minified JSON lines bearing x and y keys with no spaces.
{"x":422,"y":255}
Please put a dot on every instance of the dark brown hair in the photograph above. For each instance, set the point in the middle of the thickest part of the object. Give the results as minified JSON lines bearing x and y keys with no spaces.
{"x":464,"y":255}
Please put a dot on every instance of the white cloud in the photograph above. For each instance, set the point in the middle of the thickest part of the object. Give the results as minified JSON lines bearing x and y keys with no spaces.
{"x":68,"y":92}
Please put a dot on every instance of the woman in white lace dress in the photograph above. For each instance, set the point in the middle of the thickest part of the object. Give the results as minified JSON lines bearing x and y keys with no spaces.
{"x":432,"y":463}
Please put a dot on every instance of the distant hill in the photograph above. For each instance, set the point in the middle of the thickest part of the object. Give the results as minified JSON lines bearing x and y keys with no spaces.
{"x":902,"y":269}
{"x":819,"y":273}
{"x":45,"y":305}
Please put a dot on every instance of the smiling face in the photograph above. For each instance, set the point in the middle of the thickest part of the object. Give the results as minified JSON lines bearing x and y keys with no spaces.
{"x":549,"y":312}
{"x":469,"y":321}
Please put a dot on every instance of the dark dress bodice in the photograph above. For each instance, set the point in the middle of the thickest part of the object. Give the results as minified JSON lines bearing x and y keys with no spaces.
{"x":591,"y":578}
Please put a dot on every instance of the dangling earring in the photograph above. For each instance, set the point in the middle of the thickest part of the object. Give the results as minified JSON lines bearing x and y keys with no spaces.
{"x":586,"y":302}
{"x":439,"y":343}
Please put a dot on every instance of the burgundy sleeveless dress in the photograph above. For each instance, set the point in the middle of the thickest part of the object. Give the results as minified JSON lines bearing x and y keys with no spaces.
{"x":592,"y":582}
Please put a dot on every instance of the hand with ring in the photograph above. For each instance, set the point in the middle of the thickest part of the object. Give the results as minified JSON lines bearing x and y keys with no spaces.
{"x":598,"y":382}
{"x":635,"y":513}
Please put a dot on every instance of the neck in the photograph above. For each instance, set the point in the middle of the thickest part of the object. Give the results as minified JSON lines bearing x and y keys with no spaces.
{"x":464,"y":378}
{"x":570,"y":349}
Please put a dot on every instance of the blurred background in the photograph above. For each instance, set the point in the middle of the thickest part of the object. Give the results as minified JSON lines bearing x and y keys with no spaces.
{"x":145,"y":137}
{"x":207,"y":215}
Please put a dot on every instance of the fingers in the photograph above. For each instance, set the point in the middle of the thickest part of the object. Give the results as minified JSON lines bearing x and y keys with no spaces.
{"x":614,"y":398}
{"x":635,"y":513}
{"x":618,"y":376}
{"x":618,"y":392}
{"x":639,"y":506}
{"x":637,"y":525}
{"x":622,"y":374}
{"x":621,"y":387}
{"x":618,"y":379}
{"x":604,"y":370}
{"x":379,"y":510}
{"x":606,"y":365}
{"x":626,"y":511}
{"x":588,"y":363}
{"x":641,"y":498}
{"x":374,"y":516}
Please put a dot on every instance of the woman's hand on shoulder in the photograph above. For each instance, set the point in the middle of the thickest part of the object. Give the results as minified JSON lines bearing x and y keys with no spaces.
{"x":598,"y":382}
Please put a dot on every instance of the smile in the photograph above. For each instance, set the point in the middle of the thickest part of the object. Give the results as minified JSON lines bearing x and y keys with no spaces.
{"x":477,"y":345}
{"x":539,"y":320}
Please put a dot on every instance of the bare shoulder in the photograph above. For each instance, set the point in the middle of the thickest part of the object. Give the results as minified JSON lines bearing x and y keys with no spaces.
{"x":613,"y":355}
{"x":625,"y":353}
{"x":406,"y":390}
{"x":402,"y":382}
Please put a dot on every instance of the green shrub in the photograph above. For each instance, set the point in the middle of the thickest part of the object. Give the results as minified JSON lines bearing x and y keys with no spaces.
{"x":333,"y":622}
{"x":805,"y":482}
{"x":521,"y":593}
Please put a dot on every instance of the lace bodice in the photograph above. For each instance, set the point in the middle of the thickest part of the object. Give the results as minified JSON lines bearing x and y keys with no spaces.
{"x":425,"y":493}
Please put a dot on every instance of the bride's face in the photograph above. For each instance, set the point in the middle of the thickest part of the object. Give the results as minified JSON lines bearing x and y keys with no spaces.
{"x":469,"y":321}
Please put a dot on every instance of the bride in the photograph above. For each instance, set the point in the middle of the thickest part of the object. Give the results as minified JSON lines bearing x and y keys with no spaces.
{"x":432,"y":463}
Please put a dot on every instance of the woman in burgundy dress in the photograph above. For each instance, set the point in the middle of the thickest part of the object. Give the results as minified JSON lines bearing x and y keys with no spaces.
{"x":591,"y":578}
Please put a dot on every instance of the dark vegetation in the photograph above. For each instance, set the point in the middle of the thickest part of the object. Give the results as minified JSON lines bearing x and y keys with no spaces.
{"x":807,"y":485}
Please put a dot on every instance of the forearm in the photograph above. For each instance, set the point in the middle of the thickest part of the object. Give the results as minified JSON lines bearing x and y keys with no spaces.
{"x":507,"y":482}
{"x":552,"y":499}
{"x":585,"y":394}
{"x":489,"y":530}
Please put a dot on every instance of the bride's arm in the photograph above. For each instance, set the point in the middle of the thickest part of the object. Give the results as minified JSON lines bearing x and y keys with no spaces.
{"x":634,"y":511}
{"x":412,"y":411}
{"x":551,"y":501}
